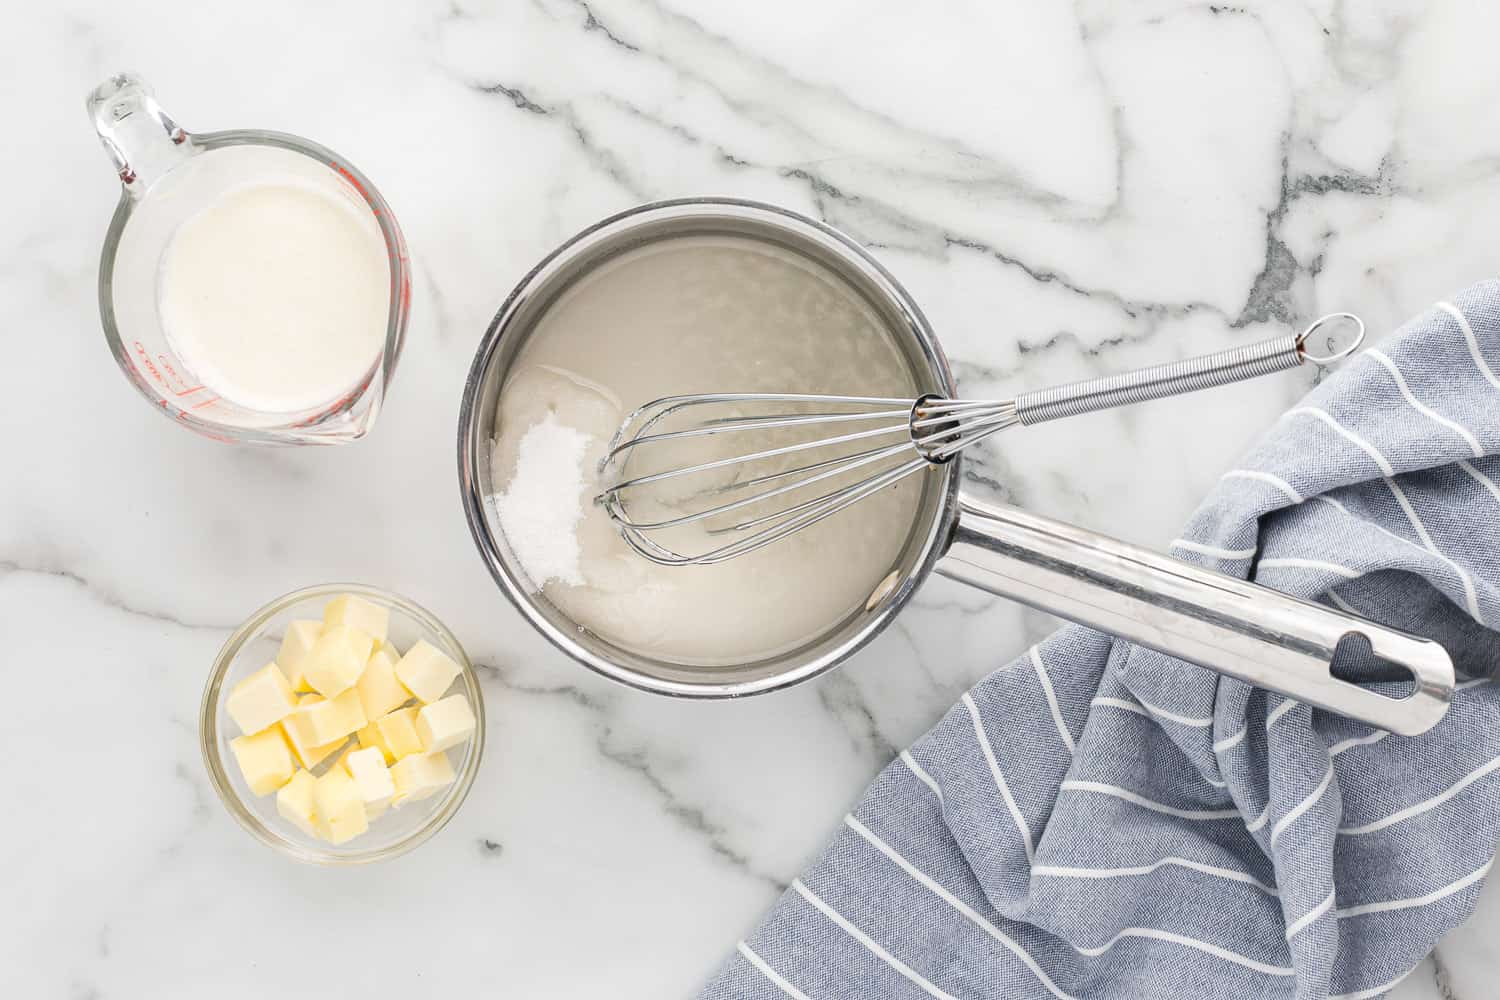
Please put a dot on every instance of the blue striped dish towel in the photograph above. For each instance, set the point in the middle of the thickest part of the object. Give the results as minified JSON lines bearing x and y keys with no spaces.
{"x":1098,"y":820}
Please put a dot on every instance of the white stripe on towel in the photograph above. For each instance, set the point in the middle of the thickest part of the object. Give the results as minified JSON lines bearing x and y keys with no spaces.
{"x":1471,"y":599}
{"x":1120,"y":703}
{"x":1145,"y":803}
{"x":1318,"y":564}
{"x":869,"y":942}
{"x":1229,"y":742}
{"x":1386,"y":469}
{"x":1431,"y":897}
{"x":1186,"y":720}
{"x":915,"y":768}
{"x":1343,"y":605}
{"x":1145,"y":707}
{"x":1417,"y":405}
{"x":771,"y":973}
{"x":1481,"y":479}
{"x":1357,"y":741}
{"x":993,"y":931}
{"x":1211,"y":550}
{"x":1468,"y":332}
{"x":1203,"y":946}
{"x":1303,"y":806}
{"x":1308,"y":917}
{"x":968,"y":911}
{"x":989,"y":755}
{"x":1228,"y":874}
{"x":1260,"y":820}
{"x":1423,"y":806}
{"x":1276,"y":713}
{"x":1266,"y":477}
{"x":1041,"y":675}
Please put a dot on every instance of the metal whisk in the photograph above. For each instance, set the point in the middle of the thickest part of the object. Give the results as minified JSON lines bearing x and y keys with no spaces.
{"x":815,"y":455}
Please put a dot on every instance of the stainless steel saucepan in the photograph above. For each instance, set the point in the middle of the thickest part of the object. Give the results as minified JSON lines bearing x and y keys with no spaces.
{"x":1230,"y":626}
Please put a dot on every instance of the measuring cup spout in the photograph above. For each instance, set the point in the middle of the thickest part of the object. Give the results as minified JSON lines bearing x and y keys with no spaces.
{"x":141,"y":138}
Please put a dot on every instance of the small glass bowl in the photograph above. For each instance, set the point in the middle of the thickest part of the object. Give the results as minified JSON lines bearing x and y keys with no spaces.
{"x":252,"y":646}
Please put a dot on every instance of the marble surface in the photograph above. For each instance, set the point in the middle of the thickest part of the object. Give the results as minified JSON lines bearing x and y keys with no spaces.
{"x":1066,"y":188}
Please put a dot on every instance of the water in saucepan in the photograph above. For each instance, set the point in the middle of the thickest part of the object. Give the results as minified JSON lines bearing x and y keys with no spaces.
{"x":691,"y":315}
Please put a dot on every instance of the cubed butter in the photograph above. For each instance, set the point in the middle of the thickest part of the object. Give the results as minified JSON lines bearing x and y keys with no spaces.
{"x":340,"y":810}
{"x":419,"y":775}
{"x":426,"y":671}
{"x":379,"y":690}
{"x":445,"y":723}
{"x":331,"y":718}
{"x":398,"y":732}
{"x":296,"y":647}
{"x":370,"y":618}
{"x":265,"y":759}
{"x":295,"y":802}
{"x":337,"y":659}
{"x":299,"y":735}
{"x":260,"y":700}
{"x":372,"y":778}
{"x":370,"y":737}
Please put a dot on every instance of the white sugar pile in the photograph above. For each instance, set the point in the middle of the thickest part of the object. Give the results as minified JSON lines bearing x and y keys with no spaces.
{"x":543,"y":504}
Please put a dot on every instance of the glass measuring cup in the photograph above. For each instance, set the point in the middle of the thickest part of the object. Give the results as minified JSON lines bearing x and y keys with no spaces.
{"x":167,"y":176}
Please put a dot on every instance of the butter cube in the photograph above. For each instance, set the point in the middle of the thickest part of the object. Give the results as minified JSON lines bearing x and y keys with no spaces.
{"x":426,"y":671}
{"x":265,"y":760}
{"x":299,"y":735}
{"x":445,"y":723}
{"x":337,"y":659}
{"x":370,"y":737}
{"x":372,"y":778}
{"x":370,"y":618}
{"x":340,"y":810}
{"x":296,"y":648}
{"x":398,"y":732}
{"x":330,"y":719}
{"x":260,"y":700}
{"x":295,"y":803}
{"x":419,"y":775}
{"x":379,"y":690}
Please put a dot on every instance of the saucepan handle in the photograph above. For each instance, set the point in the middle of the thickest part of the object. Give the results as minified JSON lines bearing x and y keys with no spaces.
{"x":1253,"y":633}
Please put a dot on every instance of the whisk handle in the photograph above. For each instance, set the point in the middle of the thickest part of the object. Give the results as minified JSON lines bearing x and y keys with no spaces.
{"x":1190,"y":375}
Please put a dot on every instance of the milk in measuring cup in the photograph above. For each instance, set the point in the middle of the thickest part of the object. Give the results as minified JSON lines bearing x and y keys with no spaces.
{"x":276,"y":295}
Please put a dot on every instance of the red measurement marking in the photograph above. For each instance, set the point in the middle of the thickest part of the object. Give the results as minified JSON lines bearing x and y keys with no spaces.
{"x":140,"y":350}
{"x":352,"y":180}
{"x":167,"y":366}
{"x":206,"y":402}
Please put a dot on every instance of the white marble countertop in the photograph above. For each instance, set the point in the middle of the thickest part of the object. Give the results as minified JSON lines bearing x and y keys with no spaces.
{"x":1066,"y":188}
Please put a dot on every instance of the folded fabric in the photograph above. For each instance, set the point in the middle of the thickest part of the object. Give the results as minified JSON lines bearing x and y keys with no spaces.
{"x":1098,"y":820}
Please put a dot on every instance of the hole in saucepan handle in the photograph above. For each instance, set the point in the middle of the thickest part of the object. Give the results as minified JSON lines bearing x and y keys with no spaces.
{"x":1356,"y":662}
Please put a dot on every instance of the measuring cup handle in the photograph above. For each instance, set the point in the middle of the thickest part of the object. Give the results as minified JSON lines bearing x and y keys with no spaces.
{"x":141,"y":138}
{"x":1230,"y":626}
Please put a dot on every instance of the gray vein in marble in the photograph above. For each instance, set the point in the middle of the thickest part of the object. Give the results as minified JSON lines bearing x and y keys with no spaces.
{"x":689,"y":817}
{"x":592,"y":23}
{"x":1441,"y":977}
{"x":1270,"y":297}
{"x":106,"y":597}
{"x":601,"y":157}
{"x":840,"y":696}
{"x":200,"y":798}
